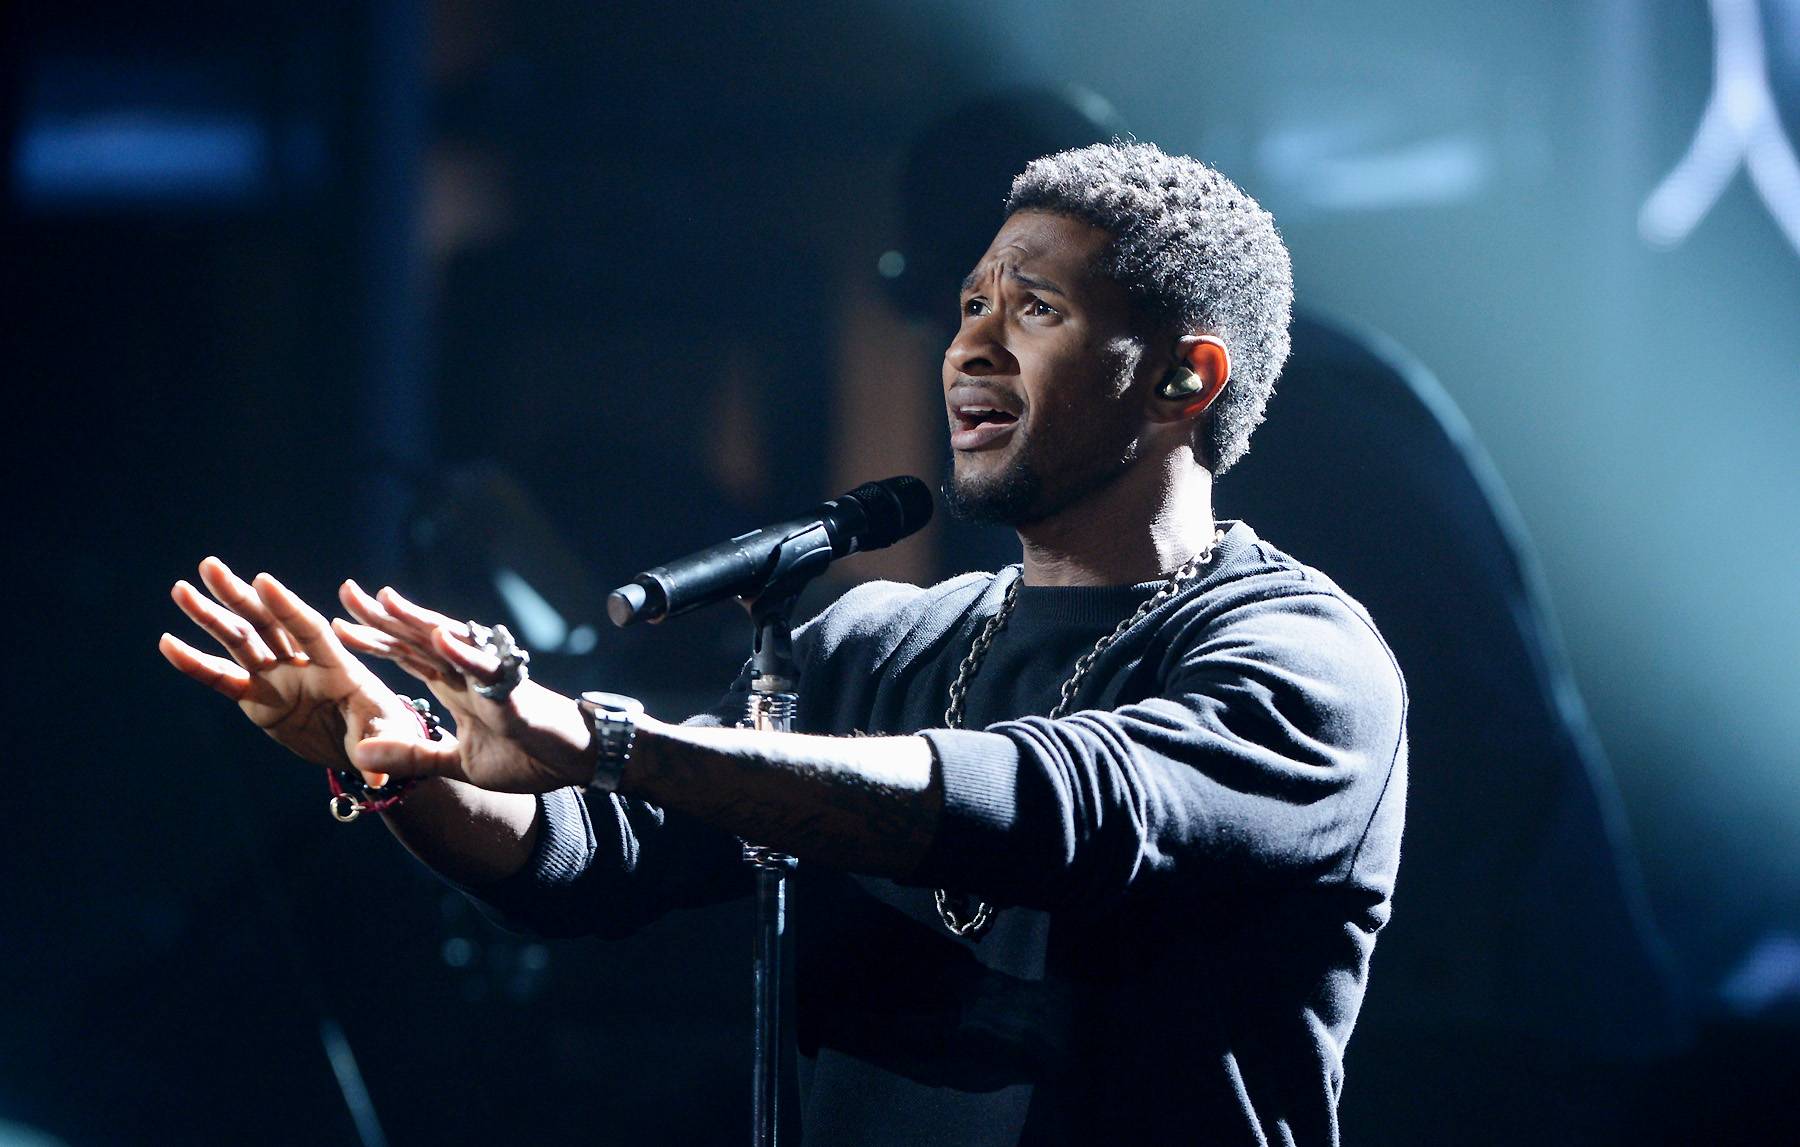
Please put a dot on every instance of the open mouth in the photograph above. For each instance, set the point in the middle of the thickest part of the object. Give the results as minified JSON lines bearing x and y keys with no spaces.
{"x":969,"y":417}
{"x":974,"y":426}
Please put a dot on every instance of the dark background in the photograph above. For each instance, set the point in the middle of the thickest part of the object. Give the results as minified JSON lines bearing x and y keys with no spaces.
{"x":429,"y":292}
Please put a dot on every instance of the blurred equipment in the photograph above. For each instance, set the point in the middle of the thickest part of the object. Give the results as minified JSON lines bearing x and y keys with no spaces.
{"x":1741,"y":127}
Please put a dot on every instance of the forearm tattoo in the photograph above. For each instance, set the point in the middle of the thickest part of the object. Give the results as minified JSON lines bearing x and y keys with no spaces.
{"x":869,"y":804}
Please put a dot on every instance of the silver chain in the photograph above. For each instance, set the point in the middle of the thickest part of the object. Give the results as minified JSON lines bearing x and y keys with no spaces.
{"x":976,"y":924}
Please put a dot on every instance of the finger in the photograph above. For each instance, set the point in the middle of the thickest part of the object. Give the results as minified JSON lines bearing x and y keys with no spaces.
{"x":388,"y":727}
{"x":307,"y":624}
{"x":375,"y":616}
{"x":425,"y":620}
{"x":236,"y":595}
{"x":364,"y":607}
{"x":238,"y":636}
{"x":407,"y":757}
{"x":365,"y":639}
{"x":465,"y":658}
{"x":215,"y":673}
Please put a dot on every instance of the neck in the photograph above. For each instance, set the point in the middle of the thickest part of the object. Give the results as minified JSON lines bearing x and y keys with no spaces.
{"x":1140,"y":527}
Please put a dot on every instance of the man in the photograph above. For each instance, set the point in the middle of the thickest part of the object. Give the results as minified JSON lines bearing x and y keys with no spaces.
{"x":1108,"y":862}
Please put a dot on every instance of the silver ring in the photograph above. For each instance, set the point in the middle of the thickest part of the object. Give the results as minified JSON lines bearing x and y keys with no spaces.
{"x":498,"y":640}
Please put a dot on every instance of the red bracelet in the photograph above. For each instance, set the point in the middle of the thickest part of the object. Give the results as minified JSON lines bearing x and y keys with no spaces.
{"x":351,"y":795}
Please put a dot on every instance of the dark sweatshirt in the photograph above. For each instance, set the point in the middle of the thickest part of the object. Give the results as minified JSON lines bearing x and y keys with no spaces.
{"x":1193,"y":864}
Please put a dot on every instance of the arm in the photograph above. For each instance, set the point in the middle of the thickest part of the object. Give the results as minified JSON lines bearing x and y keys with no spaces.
{"x":1266,"y":753}
{"x":467,"y":835}
{"x":869,"y":804}
{"x":1263,"y":760}
{"x":866,"y":803}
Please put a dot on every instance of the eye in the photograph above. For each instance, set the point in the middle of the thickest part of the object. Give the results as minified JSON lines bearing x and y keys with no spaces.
{"x":975,"y":305}
{"x":1037,"y":307}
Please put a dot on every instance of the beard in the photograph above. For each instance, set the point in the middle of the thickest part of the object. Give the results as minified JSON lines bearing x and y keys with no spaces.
{"x":1003,"y":499}
{"x":1019,"y":495}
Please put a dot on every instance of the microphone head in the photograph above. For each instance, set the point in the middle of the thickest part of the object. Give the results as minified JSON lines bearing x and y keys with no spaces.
{"x":626,"y":604}
{"x":895,"y":508}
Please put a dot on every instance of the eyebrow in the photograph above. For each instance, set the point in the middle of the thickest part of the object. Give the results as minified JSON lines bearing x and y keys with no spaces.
{"x":1029,"y":281}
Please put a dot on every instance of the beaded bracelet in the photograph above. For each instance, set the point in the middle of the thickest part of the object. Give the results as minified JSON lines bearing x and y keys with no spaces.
{"x":351,"y":795}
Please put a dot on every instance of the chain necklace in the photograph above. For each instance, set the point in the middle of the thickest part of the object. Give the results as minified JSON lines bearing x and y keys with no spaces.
{"x":983,"y":915}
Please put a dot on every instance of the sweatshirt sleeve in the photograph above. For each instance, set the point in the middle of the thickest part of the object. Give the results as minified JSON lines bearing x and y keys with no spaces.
{"x":1261,"y":758}
{"x":606,"y":866}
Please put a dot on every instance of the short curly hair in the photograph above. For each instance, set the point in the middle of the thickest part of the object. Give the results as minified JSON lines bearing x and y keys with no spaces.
{"x":1194,"y":251}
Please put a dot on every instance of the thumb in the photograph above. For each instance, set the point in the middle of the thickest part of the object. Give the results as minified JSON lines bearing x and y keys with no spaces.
{"x":407,"y":757}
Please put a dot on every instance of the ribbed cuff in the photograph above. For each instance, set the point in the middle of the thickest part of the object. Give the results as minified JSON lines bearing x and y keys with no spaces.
{"x":565,"y":844}
{"x":980,"y":775}
{"x":564,"y":849}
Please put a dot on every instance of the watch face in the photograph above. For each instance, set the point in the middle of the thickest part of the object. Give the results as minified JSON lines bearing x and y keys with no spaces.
{"x":613,"y":704}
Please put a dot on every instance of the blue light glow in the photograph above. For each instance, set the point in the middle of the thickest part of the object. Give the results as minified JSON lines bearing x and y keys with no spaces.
{"x":139,"y":155}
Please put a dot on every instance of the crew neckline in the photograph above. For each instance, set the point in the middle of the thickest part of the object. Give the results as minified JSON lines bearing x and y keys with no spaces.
{"x":1110,"y":604}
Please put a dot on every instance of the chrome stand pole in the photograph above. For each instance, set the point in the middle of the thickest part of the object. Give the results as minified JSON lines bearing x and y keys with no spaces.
{"x":773,"y":699}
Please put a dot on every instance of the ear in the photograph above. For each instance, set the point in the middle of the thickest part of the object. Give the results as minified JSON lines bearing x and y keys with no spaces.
{"x":1202,"y":368}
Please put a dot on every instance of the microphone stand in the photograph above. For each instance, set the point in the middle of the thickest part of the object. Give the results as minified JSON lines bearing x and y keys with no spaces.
{"x":774,"y":699}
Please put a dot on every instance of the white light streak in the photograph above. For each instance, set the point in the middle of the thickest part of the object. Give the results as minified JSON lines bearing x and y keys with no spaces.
{"x":539,"y":622}
{"x":1740,"y":127}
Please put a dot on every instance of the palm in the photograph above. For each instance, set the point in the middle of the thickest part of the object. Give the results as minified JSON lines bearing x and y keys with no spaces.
{"x":310,"y":709}
{"x":496,"y":742}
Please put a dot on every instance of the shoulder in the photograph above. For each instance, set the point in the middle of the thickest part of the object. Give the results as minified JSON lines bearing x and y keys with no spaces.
{"x":1252,"y":576}
{"x":1263,"y":606}
{"x":877,"y":616}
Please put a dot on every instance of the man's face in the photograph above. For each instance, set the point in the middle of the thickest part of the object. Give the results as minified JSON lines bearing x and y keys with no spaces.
{"x":1045,"y":379}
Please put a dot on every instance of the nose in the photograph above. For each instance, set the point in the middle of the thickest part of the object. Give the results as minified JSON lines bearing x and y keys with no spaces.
{"x":979,"y":347}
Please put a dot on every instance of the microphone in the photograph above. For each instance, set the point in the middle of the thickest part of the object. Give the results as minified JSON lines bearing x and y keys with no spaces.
{"x":870,"y":517}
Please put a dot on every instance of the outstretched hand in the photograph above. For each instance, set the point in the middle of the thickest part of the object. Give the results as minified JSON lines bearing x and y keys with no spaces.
{"x":287,"y":670}
{"x":534,"y":740}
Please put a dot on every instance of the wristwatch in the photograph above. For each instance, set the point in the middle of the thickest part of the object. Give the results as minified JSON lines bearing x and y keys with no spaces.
{"x":612,"y":718}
